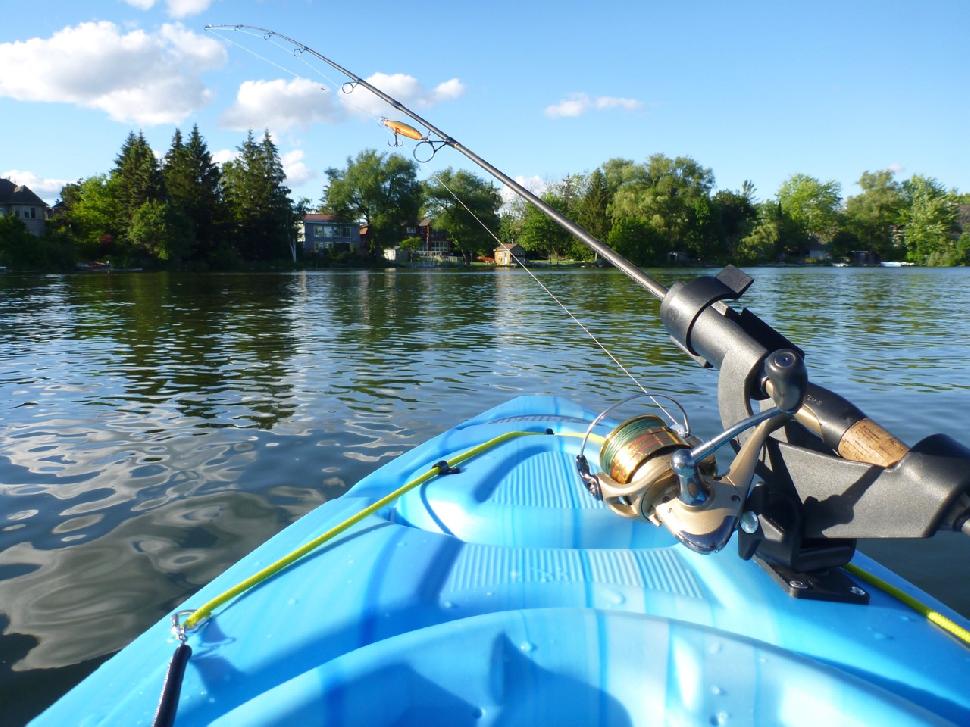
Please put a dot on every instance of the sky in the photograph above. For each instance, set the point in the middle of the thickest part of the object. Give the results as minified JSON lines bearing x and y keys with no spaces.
{"x":754,"y":90}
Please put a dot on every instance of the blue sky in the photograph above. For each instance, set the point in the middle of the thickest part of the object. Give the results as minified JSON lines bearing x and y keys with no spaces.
{"x":754,"y":90}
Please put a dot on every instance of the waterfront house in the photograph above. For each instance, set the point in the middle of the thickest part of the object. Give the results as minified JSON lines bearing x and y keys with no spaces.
{"x":19,"y":201}
{"x":818,"y":251}
{"x":434,"y":243}
{"x":318,"y":233}
{"x":505,"y":253}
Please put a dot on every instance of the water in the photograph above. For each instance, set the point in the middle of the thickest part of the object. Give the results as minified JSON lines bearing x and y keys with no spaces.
{"x":155,"y":427}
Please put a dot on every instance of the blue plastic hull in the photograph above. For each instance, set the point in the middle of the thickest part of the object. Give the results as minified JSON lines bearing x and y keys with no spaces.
{"x":505,"y":595}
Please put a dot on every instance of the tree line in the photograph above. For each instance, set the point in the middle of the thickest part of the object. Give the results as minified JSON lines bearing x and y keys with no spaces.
{"x":182,"y":210}
{"x":185,"y":210}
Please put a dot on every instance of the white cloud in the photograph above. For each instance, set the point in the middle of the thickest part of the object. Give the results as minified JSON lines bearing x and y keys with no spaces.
{"x":46,"y":189}
{"x":614,"y":102}
{"x":185,"y":8}
{"x":577,"y":104}
{"x":405,"y":88}
{"x":297,"y":172}
{"x":141,"y":4}
{"x":136,"y":76}
{"x":279,"y":105}
{"x":224,"y":155}
{"x":895,"y":167}
{"x":535,"y":184}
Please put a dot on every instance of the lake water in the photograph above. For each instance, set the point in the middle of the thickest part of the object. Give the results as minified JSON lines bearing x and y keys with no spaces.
{"x":156,"y":427}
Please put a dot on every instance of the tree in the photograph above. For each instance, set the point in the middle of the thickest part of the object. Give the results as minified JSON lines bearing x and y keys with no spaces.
{"x":194,"y":186}
{"x":734,"y":217}
{"x":874,"y":215}
{"x":764,"y":242}
{"x":929,"y":220}
{"x":593,"y":209}
{"x":160,"y":231}
{"x":90,"y":214}
{"x":482,"y":200}
{"x":813,"y":207}
{"x":539,"y":234}
{"x":380,"y":190}
{"x":258,"y":201}
{"x":137,"y":179}
{"x":670,"y":196}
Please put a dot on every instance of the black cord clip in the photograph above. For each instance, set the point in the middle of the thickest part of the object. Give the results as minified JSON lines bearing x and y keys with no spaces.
{"x":445,"y":469}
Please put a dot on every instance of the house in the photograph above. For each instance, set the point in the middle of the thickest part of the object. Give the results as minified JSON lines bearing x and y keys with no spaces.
{"x":818,"y":251}
{"x":433,"y":242}
{"x":19,"y":201}
{"x":321,"y":232}
{"x":506,"y":252}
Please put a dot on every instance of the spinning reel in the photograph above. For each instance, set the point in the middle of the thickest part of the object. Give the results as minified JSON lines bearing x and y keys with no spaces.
{"x":652,"y":471}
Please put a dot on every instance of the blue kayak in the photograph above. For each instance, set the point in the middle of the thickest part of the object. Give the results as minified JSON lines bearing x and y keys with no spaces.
{"x":504,"y":594}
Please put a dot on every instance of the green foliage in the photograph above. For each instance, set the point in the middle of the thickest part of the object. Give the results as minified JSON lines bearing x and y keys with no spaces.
{"x":672,"y":198}
{"x":258,"y":203}
{"x":461,"y":226}
{"x":929,"y":220}
{"x":194,"y":187}
{"x":412,"y":243}
{"x":637,"y":241}
{"x":90,"y":214}
{"x":20,"y":250}
{"x":379,"y":189}
{"x":136,"y":179}
{"x":593,"y":209}
{"x":541,"y":235}
{"x":812,"y":206}
{"x":734,"y":218}
{"x":874,"y":215}
{"x":763,"y":243}
{"x":159,"y":231}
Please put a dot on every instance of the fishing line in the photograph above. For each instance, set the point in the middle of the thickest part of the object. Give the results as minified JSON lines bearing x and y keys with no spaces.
{"x":569,"y":313}
{"x":299,"y":49}
{"x":298,"y":53}
{"x":264,"y":58}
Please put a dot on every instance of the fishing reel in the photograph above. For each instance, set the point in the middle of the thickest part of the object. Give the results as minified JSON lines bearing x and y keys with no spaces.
{"x":653,"y":471}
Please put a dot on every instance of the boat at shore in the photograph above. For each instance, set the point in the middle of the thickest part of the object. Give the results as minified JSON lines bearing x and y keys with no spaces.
{"x":896,"y":264}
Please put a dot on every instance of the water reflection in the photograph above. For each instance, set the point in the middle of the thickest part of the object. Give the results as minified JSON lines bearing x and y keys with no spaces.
{"x":156,"y":427}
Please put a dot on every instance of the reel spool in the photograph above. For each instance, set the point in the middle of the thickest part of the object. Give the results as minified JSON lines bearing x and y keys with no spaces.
{"x":636,"y":470}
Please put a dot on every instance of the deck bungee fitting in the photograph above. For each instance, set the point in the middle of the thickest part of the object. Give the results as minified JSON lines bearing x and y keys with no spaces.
{"x":544,"y":563}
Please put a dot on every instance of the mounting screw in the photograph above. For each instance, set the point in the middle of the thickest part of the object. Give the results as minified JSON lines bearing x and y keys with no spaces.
{"x":798,"y":585}
{"x":857,"y":591}
{"x":749,"y":522}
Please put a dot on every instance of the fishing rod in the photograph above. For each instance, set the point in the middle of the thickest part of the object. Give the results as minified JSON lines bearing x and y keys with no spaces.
{"x":655,"y":288}
{"x":812,"y":473}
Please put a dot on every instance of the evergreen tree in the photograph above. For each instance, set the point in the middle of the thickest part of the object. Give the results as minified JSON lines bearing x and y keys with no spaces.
{"x":593,"y":210}
{"x":258,"y":202}
{"x":193,"y":183}
{"x":137,"y":179}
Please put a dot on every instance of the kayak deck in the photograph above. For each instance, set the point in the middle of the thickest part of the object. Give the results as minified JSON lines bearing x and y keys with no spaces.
{"x":504,"y":594}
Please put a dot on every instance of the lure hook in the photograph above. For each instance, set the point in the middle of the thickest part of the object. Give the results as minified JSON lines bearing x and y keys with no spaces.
{"x":348,"y":86}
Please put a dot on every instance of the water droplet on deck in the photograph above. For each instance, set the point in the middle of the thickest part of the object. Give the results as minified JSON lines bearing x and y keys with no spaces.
{"x":721,"y":718}
{"x":527,"y":647}
{"x":291,"y":602}
{"x":617,"y":598}
{"x":716,"y":691}
{"x":714,"y":648}
{"x":447,"y":604}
